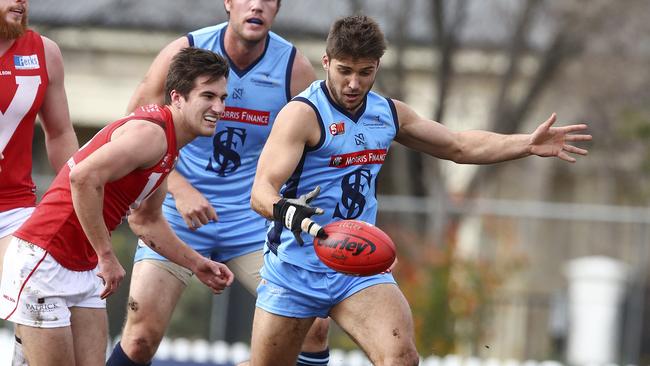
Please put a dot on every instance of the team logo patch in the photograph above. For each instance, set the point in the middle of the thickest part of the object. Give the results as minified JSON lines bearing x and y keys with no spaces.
{"x":243,"y":115}
{"x":337,"y":128}
{"x":358,"y":158}
{"x":29,"y":62}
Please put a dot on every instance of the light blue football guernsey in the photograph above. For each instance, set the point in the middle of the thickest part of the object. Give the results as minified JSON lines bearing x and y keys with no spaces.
{"x":222,"y":167}
{"x":345,"y":164}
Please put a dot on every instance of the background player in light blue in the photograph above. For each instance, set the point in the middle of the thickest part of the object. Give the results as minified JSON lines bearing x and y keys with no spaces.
{"x":209,"y":204}
{"x":335,"y":135}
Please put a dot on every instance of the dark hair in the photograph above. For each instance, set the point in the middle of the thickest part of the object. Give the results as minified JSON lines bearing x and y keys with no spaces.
{"x":355,"y":37}
{"x":228,"y":13}
{"x":189,"y":64}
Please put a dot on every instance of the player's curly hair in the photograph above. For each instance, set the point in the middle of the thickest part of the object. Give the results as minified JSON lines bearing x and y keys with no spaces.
{"x":189,"y":64}
{"x":356,"y":37}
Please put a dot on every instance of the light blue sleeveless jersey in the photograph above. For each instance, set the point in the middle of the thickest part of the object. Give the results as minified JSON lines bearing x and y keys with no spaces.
{"x":222,"y":167}
{"x":345,"y":164}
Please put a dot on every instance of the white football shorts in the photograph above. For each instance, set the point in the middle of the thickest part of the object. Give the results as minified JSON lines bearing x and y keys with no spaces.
{"x":37,"y":291}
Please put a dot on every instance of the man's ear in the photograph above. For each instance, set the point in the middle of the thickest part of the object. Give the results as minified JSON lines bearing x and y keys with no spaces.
{"x":325,"y":62}
{"x":175,"y":98}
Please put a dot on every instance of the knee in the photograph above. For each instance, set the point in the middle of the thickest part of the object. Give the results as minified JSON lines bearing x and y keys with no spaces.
{"x":316,"y":339}
{"x":407,"y":357}
{"x":140,"y":342}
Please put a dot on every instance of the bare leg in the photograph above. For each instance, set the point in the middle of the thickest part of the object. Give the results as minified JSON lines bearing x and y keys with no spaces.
{"x":378,"y":319}
{"x":316,"y":339}
{"x":90,"y":335}
{"x":47,"y":346}
{"x":19,"y":357}
{"x":277,"y":339}
{"x":153,"y":296}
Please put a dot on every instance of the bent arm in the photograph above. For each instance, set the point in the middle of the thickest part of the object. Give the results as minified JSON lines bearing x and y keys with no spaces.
{"x":151,"y":89}
{"x":114,"y":160}
{"x":294,"y":128}
{"x":60,"y":138}
{"x":149,"y":224}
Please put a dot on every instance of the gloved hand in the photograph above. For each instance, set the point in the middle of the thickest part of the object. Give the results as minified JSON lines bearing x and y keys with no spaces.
{"x":295,"y":213}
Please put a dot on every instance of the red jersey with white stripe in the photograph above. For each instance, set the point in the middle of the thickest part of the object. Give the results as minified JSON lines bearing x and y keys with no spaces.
{"x":23,"y":81}
{"x":54,"y":226}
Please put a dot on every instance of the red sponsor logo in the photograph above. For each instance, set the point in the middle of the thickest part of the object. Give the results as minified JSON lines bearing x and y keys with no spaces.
{"x":337,"y":128}
{"x":251,"y":116}
{"x":358,"y":158}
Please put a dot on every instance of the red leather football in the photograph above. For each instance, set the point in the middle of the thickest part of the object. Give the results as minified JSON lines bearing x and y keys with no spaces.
{"x":356,"y":248}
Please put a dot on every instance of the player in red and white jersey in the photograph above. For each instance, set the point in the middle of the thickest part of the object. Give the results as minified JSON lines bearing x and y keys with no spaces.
{"x":31,"y":84}
{"x":60,"y":265}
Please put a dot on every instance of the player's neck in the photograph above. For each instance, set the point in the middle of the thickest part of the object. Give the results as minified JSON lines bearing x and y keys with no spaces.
{"x":183,"y":135}
{"x":241,"y":52}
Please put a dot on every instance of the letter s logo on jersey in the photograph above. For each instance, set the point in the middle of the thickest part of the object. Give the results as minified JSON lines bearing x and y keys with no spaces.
{"x":354,"y":187}
{"x":225,"y":157}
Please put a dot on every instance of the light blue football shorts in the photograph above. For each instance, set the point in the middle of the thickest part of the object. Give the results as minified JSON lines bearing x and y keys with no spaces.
{"x":291,"y":291}
{"x":219,"y":241}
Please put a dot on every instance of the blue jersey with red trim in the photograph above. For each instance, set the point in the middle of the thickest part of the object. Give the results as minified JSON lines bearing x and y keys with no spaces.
{"x":345,"y":164}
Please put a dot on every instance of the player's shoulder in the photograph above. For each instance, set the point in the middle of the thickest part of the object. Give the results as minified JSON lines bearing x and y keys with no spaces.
{"x":216,"y":28}
{"x":50,"y":47}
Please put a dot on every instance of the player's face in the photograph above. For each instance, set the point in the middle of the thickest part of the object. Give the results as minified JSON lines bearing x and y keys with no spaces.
{"x":349,"y":81}
{"x":13,"y":18}
{"x":251,"y":19}
{"x":204,"y":105}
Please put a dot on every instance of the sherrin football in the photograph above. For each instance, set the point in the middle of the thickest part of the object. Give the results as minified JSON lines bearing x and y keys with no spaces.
{"x":356,"y":248}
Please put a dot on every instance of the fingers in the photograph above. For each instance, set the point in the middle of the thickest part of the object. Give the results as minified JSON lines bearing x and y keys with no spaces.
{"x":199,"y":218}
{"x":110,"y":285}
{"x":564,"y":156}
{"x":189,"y":221}
{"x":312,"y":228}
{"x":296,"y":234}
{"x":550,"y":121}
{"x":574,"y":128}
{"x":574,"y":138}
{"x":574,"y":150}
{"x":218,"y":278}
{"x":313,"y":194}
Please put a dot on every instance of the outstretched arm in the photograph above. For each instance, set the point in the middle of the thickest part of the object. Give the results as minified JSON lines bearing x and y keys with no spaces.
{"x":60,"y":139}
{"x":484,"y":147}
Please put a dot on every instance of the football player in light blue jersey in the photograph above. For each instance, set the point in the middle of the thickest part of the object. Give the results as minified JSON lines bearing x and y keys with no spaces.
{"x":209,"y":201}
{"x":333,"y":138}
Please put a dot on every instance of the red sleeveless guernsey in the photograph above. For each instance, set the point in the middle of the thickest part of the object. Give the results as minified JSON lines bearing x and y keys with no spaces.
{"x":54,"y":226}
{"x":23,"y":81}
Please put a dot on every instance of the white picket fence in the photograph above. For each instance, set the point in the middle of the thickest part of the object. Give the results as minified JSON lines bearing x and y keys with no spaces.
{"x":201,"y":351}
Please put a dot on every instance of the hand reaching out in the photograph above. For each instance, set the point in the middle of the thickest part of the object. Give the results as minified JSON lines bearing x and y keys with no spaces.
{"x":215,"y":275}
{"x":549,"y":141}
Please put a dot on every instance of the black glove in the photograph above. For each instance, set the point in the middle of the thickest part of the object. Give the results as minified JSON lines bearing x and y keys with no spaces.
{"x":295,"y":213}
